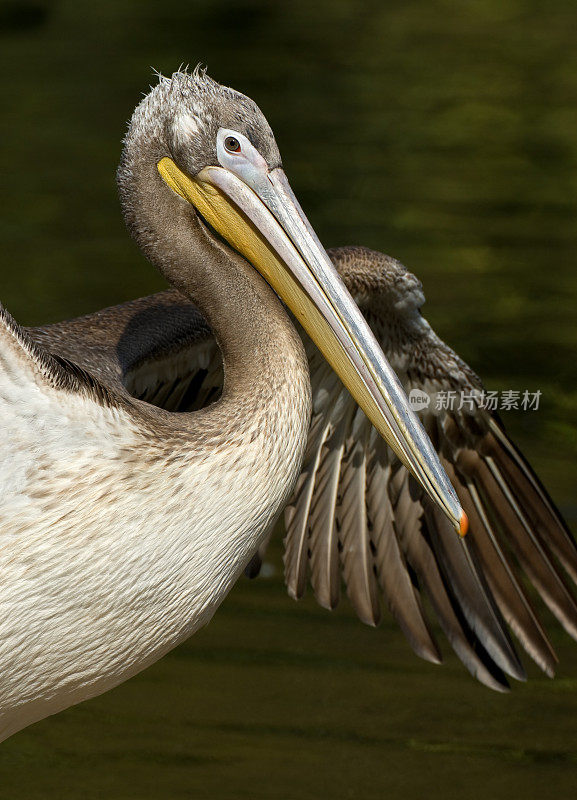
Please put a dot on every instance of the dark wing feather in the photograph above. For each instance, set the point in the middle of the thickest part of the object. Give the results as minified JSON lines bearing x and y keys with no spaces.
{"x":501,"y":576}
{"x":386,"y":528}
{"x":531,"y":550}
{"x":158,"y":349}
{"x":423,"y":560}
{"x":469,"y":587}
{"x":504,"y":458}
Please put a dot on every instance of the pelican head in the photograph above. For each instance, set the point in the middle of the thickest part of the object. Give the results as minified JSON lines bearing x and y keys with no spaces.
{"x":203,"y":111}
{"x":216,"y":150}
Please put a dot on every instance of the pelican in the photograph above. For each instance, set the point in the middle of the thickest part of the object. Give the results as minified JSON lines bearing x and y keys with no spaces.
{"x":123,"y":525}
{"x":149,"y":448}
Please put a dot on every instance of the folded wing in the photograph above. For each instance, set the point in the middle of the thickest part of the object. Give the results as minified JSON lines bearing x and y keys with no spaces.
{"x":158,"y":349}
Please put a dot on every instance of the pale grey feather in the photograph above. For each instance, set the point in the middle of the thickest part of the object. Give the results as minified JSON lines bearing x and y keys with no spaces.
{"x":393,"y":574}
{"x":357,"y":558}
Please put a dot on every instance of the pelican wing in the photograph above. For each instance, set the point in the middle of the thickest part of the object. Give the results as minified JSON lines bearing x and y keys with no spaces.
{"x":30,"y":374}
{"x":158,"y":349}
{"x":392,"y":544}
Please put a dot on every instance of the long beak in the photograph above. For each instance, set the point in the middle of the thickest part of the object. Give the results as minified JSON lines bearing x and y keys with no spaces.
{"x":267,"y":226}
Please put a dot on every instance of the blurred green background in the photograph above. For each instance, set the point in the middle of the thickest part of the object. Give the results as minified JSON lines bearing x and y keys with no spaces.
{"x":443,"y":132}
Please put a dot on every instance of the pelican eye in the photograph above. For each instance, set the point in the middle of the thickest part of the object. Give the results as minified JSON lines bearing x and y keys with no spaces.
{"x":232,"y":145}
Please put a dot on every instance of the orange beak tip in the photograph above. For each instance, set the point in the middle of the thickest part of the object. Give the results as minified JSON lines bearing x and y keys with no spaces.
{"x":464,"y":525}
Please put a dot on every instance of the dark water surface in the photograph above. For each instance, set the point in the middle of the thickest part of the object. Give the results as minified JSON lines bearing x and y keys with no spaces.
{"x":443,"y":132}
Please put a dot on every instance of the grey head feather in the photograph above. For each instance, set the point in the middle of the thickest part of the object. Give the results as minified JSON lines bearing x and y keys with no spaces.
{"x":184,"y":113}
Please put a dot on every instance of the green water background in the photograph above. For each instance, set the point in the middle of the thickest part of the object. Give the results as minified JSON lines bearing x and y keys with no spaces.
{"x":441,"y":131}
